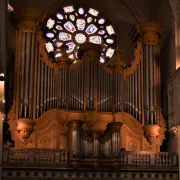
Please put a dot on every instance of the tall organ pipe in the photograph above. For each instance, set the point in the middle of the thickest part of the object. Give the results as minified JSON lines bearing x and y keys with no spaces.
{"x":38,"y":87}
{"x":42,"y":90}
{"x":151,"y":34}
{"x":35,"y":77}
{"x":139,"y":93}
{"x":26,"y":59}
{"x":32,"y":61}
{"x":22,"y":73}
{"x":45,"y":88}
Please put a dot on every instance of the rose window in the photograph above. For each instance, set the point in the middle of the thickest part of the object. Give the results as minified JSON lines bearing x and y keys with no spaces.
{"x":74,"y":26}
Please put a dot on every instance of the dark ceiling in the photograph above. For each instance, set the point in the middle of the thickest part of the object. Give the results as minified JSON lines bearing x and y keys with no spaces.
{"x":122,"y":13}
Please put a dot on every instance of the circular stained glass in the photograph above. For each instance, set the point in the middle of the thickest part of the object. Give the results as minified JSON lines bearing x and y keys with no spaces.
{"x":76,"y":25}
{"x":80,"y":38}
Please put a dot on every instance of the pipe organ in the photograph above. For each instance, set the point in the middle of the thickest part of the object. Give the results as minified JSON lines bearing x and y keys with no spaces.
{"x":87,"y":91}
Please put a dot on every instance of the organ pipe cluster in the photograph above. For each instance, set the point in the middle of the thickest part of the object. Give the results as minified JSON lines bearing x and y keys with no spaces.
{"x":40,"y":87}
{"x":95,"y":144}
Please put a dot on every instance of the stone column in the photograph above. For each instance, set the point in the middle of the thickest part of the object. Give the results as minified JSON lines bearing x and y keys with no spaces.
{"x":151,"y":33}
{"x":75,"y":138}
{"x":114,"y":131}
{"x":26,"y":61}
{"x":96,"y":145}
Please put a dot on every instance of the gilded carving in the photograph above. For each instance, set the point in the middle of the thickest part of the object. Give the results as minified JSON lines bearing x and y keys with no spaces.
{"x":25,"y":127}
{"x":12,"y":113}
{"x":151,"y":132}
{"x":89,"y":51}
{"x":150,"y":32}
{"x":136,"y":61}
{"x":54,"y":121}
{"x":45,"y":142}
{"x":75,"y":124}
{"x":28,"y":19}
{"x":132,"y":145}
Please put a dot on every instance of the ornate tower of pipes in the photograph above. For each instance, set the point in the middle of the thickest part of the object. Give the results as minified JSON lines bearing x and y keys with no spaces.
{"x":151,"y":33}
{"x":25,"y":70}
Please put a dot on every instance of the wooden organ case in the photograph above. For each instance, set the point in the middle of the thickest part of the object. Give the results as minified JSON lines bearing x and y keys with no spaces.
{"x":90,"y":108}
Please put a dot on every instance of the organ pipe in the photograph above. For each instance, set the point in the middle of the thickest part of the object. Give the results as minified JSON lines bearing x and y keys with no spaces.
{"x":96,"y":145}
{"x":151,"y":33}
{"x":75,"y":137}
{"x":113,"y":129}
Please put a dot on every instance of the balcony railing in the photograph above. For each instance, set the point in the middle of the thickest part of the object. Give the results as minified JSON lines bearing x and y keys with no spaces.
{"x":60,"y":158}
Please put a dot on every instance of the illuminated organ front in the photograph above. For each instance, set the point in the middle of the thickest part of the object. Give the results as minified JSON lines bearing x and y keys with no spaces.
{"x":72,"y":90}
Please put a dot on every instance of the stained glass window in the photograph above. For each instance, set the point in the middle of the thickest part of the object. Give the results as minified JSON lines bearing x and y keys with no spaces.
{"x":72,"y":17}
{"x":95,"y":39}
{"x":80,"y":38}
{"x":59,"y":16}
{"x":50,"y":23}
{"x":68,"y":9}
{"x":93,"y":12}
{"x":64,"y":36}
{"x":71,"y":46}
{"x":81,"y":11}
{"x":73,"y":26}
{"x":91,"y":29}
{"x":70,"y":27}
{"x":80,"y":24}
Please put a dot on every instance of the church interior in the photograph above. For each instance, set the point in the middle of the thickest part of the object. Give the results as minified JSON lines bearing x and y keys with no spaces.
{"x":89,"y":89}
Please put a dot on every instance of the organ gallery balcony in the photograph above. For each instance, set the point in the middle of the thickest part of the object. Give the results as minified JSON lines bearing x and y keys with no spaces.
{"x":60,"y":159}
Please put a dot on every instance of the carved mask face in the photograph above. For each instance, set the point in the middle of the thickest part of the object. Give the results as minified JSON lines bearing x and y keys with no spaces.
{"x":25,"y":134}
{"x":152,"y":138}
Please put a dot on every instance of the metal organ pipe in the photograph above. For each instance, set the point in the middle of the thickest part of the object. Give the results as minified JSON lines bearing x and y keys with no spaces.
{"x":22,"y":74}
{"x":96,"y":145}
{"x":132,"y":82}
{"x":151,"y":83}
{"x":114,"y":130}
{"x":151,"y":33}
{"x":27,"y":60}
{"x":38,"y":86}
{"x":155,"y":90}
{"x":45,"y":87}
{"x":35,"y":77}
{"x":27,"y":56}
{"x":75,"y":133}
{"x":41,"y":90}
{"x":48,"y":88}
{"x":52,"y":79}
{"x":32,"y":62}
{"x":136,"y":94}
{"x":121,"y":95}
{"x":139,"y":93}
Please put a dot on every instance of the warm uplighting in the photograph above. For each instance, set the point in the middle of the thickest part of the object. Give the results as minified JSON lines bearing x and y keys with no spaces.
{"x":10,"y":8}
{"x":2,"y":77}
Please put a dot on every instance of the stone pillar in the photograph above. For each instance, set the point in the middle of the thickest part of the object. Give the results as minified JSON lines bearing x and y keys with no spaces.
{"x":26,"y":61}
{"x":114,"y":131}
{"x":96,"y":145}
{"x":75,"y":138}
